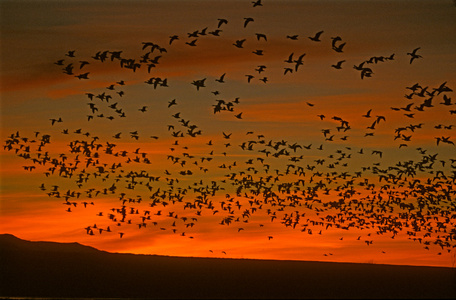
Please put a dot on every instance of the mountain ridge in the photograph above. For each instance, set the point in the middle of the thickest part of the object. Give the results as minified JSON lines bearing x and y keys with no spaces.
{"x":51,"y":269}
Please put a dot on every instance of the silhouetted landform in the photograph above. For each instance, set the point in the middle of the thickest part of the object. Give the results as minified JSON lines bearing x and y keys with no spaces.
{"x":48,"y":269}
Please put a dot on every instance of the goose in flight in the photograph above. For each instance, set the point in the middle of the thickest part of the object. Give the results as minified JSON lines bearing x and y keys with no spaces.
{"x":414,"y":55}
{"x":215,"y":32}
{"x":249,"y":78}
{"x":442,"y":88}
{"x":171,"y":103}
{"x":261,"y":36}
{"x":192,"y":43}
{"x":316,"y":37}
{"x":239,"y":43}
{"x":287,"y":70}
{"x":338,"y":65}
{"x":298,"y":61}
{"x":257,"y":3}
{"x":339,"y":48}
{"x":446,"y":100}
{"x":367,"y":115}
{"x":53,"y":121}
{"x":68,"y":69}
{"x":221,"y":22}
{"x":247,"y":21}
{"x":335,"y":40}
{"x":83,"y":76}
{"x":366,"y":72}
{"x":70,"y":53}
{"x":173,"y":38}
{"x":290,"y":59}
{"x":83,"y":63}
{"x":199,"y":83}
{"x":221,"y":78}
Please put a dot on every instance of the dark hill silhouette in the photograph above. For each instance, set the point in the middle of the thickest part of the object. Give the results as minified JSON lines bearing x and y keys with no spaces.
{"x":48,"y":269}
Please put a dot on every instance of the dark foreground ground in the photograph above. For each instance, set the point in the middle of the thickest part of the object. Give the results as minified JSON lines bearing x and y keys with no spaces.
{"x":45,"y":269}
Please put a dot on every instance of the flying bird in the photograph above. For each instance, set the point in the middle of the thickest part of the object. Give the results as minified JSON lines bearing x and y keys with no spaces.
{"x":221,"y":22}
{"x":199,"y":83}
{"x":257,"y":3}
{"x":247,"y":21}
{"x":261,"y":36}
{"x":173,"y":38}
{"x":338,"y":65}
{"x":221,"y":79}
{"x":239,"y":43}
{"x":414,"y":55}
{"x":316,"y":37}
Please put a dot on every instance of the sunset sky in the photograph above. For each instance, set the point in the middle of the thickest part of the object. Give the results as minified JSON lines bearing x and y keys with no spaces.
{"x":360,"y":132}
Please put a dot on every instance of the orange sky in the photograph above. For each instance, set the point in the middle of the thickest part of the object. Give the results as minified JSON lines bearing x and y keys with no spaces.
{"x":286,"y":109}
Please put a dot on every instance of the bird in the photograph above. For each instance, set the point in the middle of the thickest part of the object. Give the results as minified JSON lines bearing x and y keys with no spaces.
{"x":257,"y":3}
{"x":316,"y":37}
{"x":192,"y":43}
{"x":290,"y":58}
{"x":83,"y":76}
{"x":70,"y":53}
{"x":83,"y":63}
{"x":239,"y":43}
{"x":221,"y":78}
{"x":199,"y":83}
{"x":367,"y":115}
{"x":287,"y":70}
{"x":173,"y":38}
{"x":299,"y":61}
{"x":338,"y":65}
{"x":339,"y":47}
{"x":249,"y":78}
{"x":293,"y":37}
{"x":261,"y":36}
{"x":414,"y":55}
{"x":334,"y":41}
{"x":53,"y":121}
{"x":221,"y":22}
{"x":247,"y":21}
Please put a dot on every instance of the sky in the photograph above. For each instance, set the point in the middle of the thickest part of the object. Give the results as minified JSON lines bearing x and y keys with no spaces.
{"x":303,"y":162}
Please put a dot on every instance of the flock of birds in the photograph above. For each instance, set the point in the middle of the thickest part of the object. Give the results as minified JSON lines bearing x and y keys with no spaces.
{"x":306,"y":187}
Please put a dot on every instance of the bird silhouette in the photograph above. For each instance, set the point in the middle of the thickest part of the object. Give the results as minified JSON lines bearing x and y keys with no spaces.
{"x":247,"y":21}
{"x":221,"y":22}
{"x":338,"y":65}
{"x":414,"y":55}
{"x":257,"y":3}
{"x":316,"y":37}
{"x":199,"y":83}
{"x":239,"y":43}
